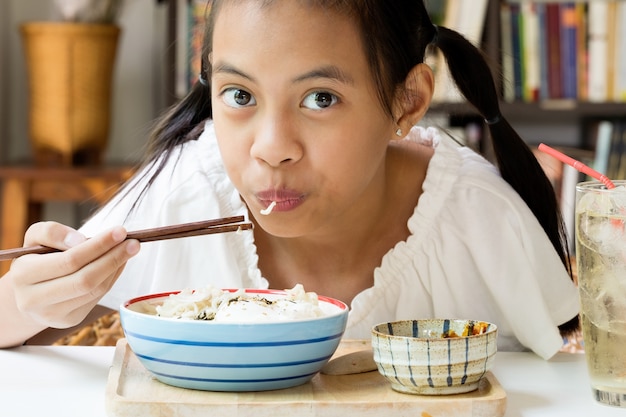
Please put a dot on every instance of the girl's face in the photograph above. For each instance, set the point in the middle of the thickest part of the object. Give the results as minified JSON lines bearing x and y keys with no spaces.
{"x":297,"y":116}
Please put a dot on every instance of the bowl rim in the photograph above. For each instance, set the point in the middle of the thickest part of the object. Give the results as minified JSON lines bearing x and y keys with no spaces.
{"x":492,"y":329}
{"x":343,"y":307}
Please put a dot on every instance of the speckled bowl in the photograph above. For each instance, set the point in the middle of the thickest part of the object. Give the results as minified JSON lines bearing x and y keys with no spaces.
{"x":416,"y":358}
{"x":215,"y":356}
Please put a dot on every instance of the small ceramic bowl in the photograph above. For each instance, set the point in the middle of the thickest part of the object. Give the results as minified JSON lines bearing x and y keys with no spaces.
{"x":436,"y":356}
{"x":214,"y":356}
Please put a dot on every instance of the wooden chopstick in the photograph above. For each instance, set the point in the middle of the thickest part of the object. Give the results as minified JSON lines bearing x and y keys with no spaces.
{"x":205,"y":227}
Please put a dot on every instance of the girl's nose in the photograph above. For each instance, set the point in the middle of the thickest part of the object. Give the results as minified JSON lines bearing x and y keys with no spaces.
{"x":277,"y":143}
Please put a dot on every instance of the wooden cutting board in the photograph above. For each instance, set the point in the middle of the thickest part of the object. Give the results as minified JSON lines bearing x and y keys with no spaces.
{"x":132,"y":391}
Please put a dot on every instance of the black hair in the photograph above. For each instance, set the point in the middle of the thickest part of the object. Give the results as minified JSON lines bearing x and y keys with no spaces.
{"x":396,"y":35}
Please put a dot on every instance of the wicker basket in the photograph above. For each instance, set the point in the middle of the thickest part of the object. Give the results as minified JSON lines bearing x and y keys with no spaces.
{"x":105,"y":331}
{"x":70,"y":73}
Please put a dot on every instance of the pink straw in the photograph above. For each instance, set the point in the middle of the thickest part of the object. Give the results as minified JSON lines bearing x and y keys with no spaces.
{"x":577,"y":164}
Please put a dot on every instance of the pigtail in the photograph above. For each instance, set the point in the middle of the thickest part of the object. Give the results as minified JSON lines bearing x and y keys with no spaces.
{"x":518,"y":166}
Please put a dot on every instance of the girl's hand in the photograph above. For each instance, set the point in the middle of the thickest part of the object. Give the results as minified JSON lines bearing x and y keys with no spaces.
{"x":60,"y":289}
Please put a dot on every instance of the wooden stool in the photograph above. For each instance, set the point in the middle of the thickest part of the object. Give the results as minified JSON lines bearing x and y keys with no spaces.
{"x":25,"y":189}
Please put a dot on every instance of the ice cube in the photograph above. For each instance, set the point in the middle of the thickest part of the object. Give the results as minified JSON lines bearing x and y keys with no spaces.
{"x":613,"y":202}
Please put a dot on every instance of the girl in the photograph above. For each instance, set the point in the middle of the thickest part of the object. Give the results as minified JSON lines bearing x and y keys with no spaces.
{"x":309,"y":106}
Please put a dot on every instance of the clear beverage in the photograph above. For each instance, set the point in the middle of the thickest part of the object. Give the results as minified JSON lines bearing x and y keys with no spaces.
{"x":601,"y":265}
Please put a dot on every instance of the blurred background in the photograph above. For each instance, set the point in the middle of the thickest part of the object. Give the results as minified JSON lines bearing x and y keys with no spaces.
{"x":141,"y":90}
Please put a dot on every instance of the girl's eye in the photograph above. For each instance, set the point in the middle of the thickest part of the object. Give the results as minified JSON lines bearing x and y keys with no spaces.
{"x":319,"y":100}
{"x":235,"y":97}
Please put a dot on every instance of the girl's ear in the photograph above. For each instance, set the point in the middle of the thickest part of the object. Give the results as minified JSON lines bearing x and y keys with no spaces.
{"x":413,"y":100}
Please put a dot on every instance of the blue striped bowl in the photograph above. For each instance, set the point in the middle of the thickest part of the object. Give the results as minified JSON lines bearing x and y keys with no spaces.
{"x":416,"y":358}
{"x":212,"y":356}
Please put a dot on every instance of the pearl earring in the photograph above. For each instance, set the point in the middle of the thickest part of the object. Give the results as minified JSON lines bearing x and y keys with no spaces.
{"x":399,"y":132}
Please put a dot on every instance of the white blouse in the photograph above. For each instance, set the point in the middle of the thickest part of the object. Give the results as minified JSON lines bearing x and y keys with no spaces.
{"x":475,"y":249}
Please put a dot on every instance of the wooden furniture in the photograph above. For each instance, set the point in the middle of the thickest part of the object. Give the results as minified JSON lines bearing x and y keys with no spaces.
{"x":25,"y":189}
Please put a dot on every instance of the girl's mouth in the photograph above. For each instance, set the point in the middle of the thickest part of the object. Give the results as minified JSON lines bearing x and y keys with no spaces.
{"x":279,"y":200}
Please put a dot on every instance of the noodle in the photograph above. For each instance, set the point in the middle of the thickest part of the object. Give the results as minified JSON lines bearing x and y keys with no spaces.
{"x":269,"y":208}
{"x":213,"y":304}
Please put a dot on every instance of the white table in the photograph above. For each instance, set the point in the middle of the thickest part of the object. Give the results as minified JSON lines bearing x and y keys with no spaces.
{"x":68,"y":381}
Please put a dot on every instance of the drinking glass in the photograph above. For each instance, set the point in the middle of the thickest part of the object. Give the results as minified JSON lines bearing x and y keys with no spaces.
{"x":601,"y":266}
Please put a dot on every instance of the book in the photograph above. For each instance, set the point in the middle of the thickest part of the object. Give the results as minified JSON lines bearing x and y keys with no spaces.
{"x":620,"y":54}
{"x":553,"y":31}
{"x":508,"y":76}
{"x":597,"y":17}
{"x":544,"y":73}
{"x":573,"y":50}
{"x":530,"y":33}
{"x":518,"y":56}
{"x":611,"y":47}
{"x":569,"y":60}
{"x":582,"y":51}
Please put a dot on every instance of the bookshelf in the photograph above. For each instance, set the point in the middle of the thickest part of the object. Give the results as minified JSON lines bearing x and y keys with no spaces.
{"x":542,"y":112}
{"x":569,"y":50}
{"x":545,"y":109}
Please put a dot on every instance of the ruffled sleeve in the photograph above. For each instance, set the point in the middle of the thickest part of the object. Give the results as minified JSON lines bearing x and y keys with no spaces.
{"x":477,"y":252}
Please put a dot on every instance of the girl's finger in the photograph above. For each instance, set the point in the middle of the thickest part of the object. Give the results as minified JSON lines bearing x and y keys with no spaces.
{"x":53,"y":234}
{"x":66,"y":312}
{"x":60,"y":264}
